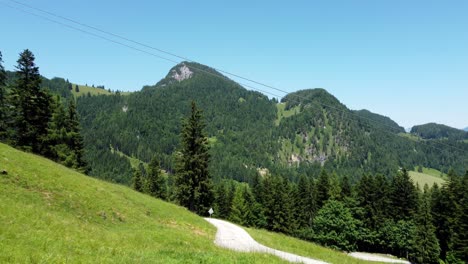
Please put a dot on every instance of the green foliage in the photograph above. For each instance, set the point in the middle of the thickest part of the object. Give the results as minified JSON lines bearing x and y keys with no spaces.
{"x":192,"y":181}
{"x":334,"y":226}
{"x":276,"y":201}
{"x":323,"y":188}
{"x":383,"y":122}
{"x":156,"y":184}
{"x":398,"y":237}
{"x":239,"y":207}
{"x":460,"y":241}
{"x":137,"y":181}
{"x":3,"y":110}
{"x":438,"y":131}
{"x":426,"y":246}
{"x":403,"y":196}
{"x":32,"y":105}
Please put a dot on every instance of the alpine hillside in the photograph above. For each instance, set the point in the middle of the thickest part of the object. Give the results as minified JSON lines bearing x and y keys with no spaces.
{"x":250,"y":133}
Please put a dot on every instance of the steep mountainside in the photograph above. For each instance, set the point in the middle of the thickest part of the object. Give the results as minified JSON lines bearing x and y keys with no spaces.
{"x":379,"y":120}
{"x":148,"y":123}
{"x":249,"y":132}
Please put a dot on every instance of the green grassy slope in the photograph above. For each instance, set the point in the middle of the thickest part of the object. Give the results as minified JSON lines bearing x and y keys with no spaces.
{"x":83,"y":90}
{"x":425,"y":178}
{"x":282,"y":113}
{"x":51,"y":214}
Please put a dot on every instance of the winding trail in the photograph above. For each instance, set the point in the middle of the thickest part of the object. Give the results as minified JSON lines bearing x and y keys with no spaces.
{"x":373,"y":257}
{"x":235,"y":238}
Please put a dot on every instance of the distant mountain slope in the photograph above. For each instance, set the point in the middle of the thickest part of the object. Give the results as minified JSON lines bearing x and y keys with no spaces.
{"x":382,"y":121}
{"x":438,"y":131}
{"x":466,"y":129}
{"x":249,"y":132}
{"x":148,"y":123}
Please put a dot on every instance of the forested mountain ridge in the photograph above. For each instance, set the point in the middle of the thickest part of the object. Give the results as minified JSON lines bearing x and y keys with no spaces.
{"x":248,"y":131}
{"x":439,"y":131}
{"x":146,"y":123}
{"x":381,"y":120}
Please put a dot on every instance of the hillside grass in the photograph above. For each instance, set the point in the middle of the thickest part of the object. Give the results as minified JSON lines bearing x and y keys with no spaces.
{"x":134,"y":162}
{"x":282,"y":113}
{"x":302,"y":248}
{"x":425,"y":178}
{"x":51,"y":214}
{"x":410,"y":136}
{"x":84,"y":90}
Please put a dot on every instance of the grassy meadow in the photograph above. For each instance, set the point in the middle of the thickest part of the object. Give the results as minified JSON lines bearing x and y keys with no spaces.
{"x":52,"y":214}
{"x":427,"y":176}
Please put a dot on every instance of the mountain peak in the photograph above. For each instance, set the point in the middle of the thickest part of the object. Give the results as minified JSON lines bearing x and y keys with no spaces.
{"x":186,"y":70}
{"x":181,"y":72}
{"x":309,"y":96}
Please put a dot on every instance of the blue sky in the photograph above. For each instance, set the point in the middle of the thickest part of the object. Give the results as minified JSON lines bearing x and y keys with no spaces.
{"x":404,"y":59}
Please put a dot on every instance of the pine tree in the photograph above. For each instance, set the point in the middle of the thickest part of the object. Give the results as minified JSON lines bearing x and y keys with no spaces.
{"x":238,"y":207}
{"x":460,"y":241}
{"x":193,"y":181}
{"x":444,"y":208}
{"x":56,"y":142}
{"x":426,"y":248}
{"x":75,"y":139}
{"x":323,"y":189}
{"x":403,"y":196}
{"x":3,"y":108}
{"x":303,"y":207}
{"x":137,"y":181}
{"x":223,"y":195}
{"x":32,"y":105}
{"x":345,"y":187}
{"x":156,"y":182}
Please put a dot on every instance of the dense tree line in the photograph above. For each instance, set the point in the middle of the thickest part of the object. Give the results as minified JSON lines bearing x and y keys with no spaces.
{"x":376,"y":214}
{"x":33,"y":120}
{"x":438,"y":131}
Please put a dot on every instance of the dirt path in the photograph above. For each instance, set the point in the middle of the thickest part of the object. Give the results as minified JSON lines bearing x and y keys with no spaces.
{"x":373,"y":257}
{"x":234,"y":237}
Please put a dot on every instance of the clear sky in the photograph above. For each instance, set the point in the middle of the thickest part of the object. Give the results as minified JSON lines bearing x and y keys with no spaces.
{"x":404,"y":59}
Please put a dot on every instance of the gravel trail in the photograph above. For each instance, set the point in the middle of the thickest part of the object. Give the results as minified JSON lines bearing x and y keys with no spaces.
{"x":235,"y":238}
{"x":373,"y":257}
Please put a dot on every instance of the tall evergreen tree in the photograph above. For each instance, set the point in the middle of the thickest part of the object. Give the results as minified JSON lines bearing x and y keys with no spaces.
{"x":32,"y":105}
{"x":193,"y":181}
{"x":57,"y":148}
{"x":323,"y":188}
{"x":345,"y":187}
{"x":460,"y":241}
{"x":239,"y":208}
{"x":223,"y":194}
{"x":426,"y":248}
{"x":444,"y":208}
{"x":74,"y":136}
{"x":403,"y":196}
{"x":3,"y":108}
{"x":156,"y":182}
{"x":302,"y":203}
{"x":137,"y":181}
